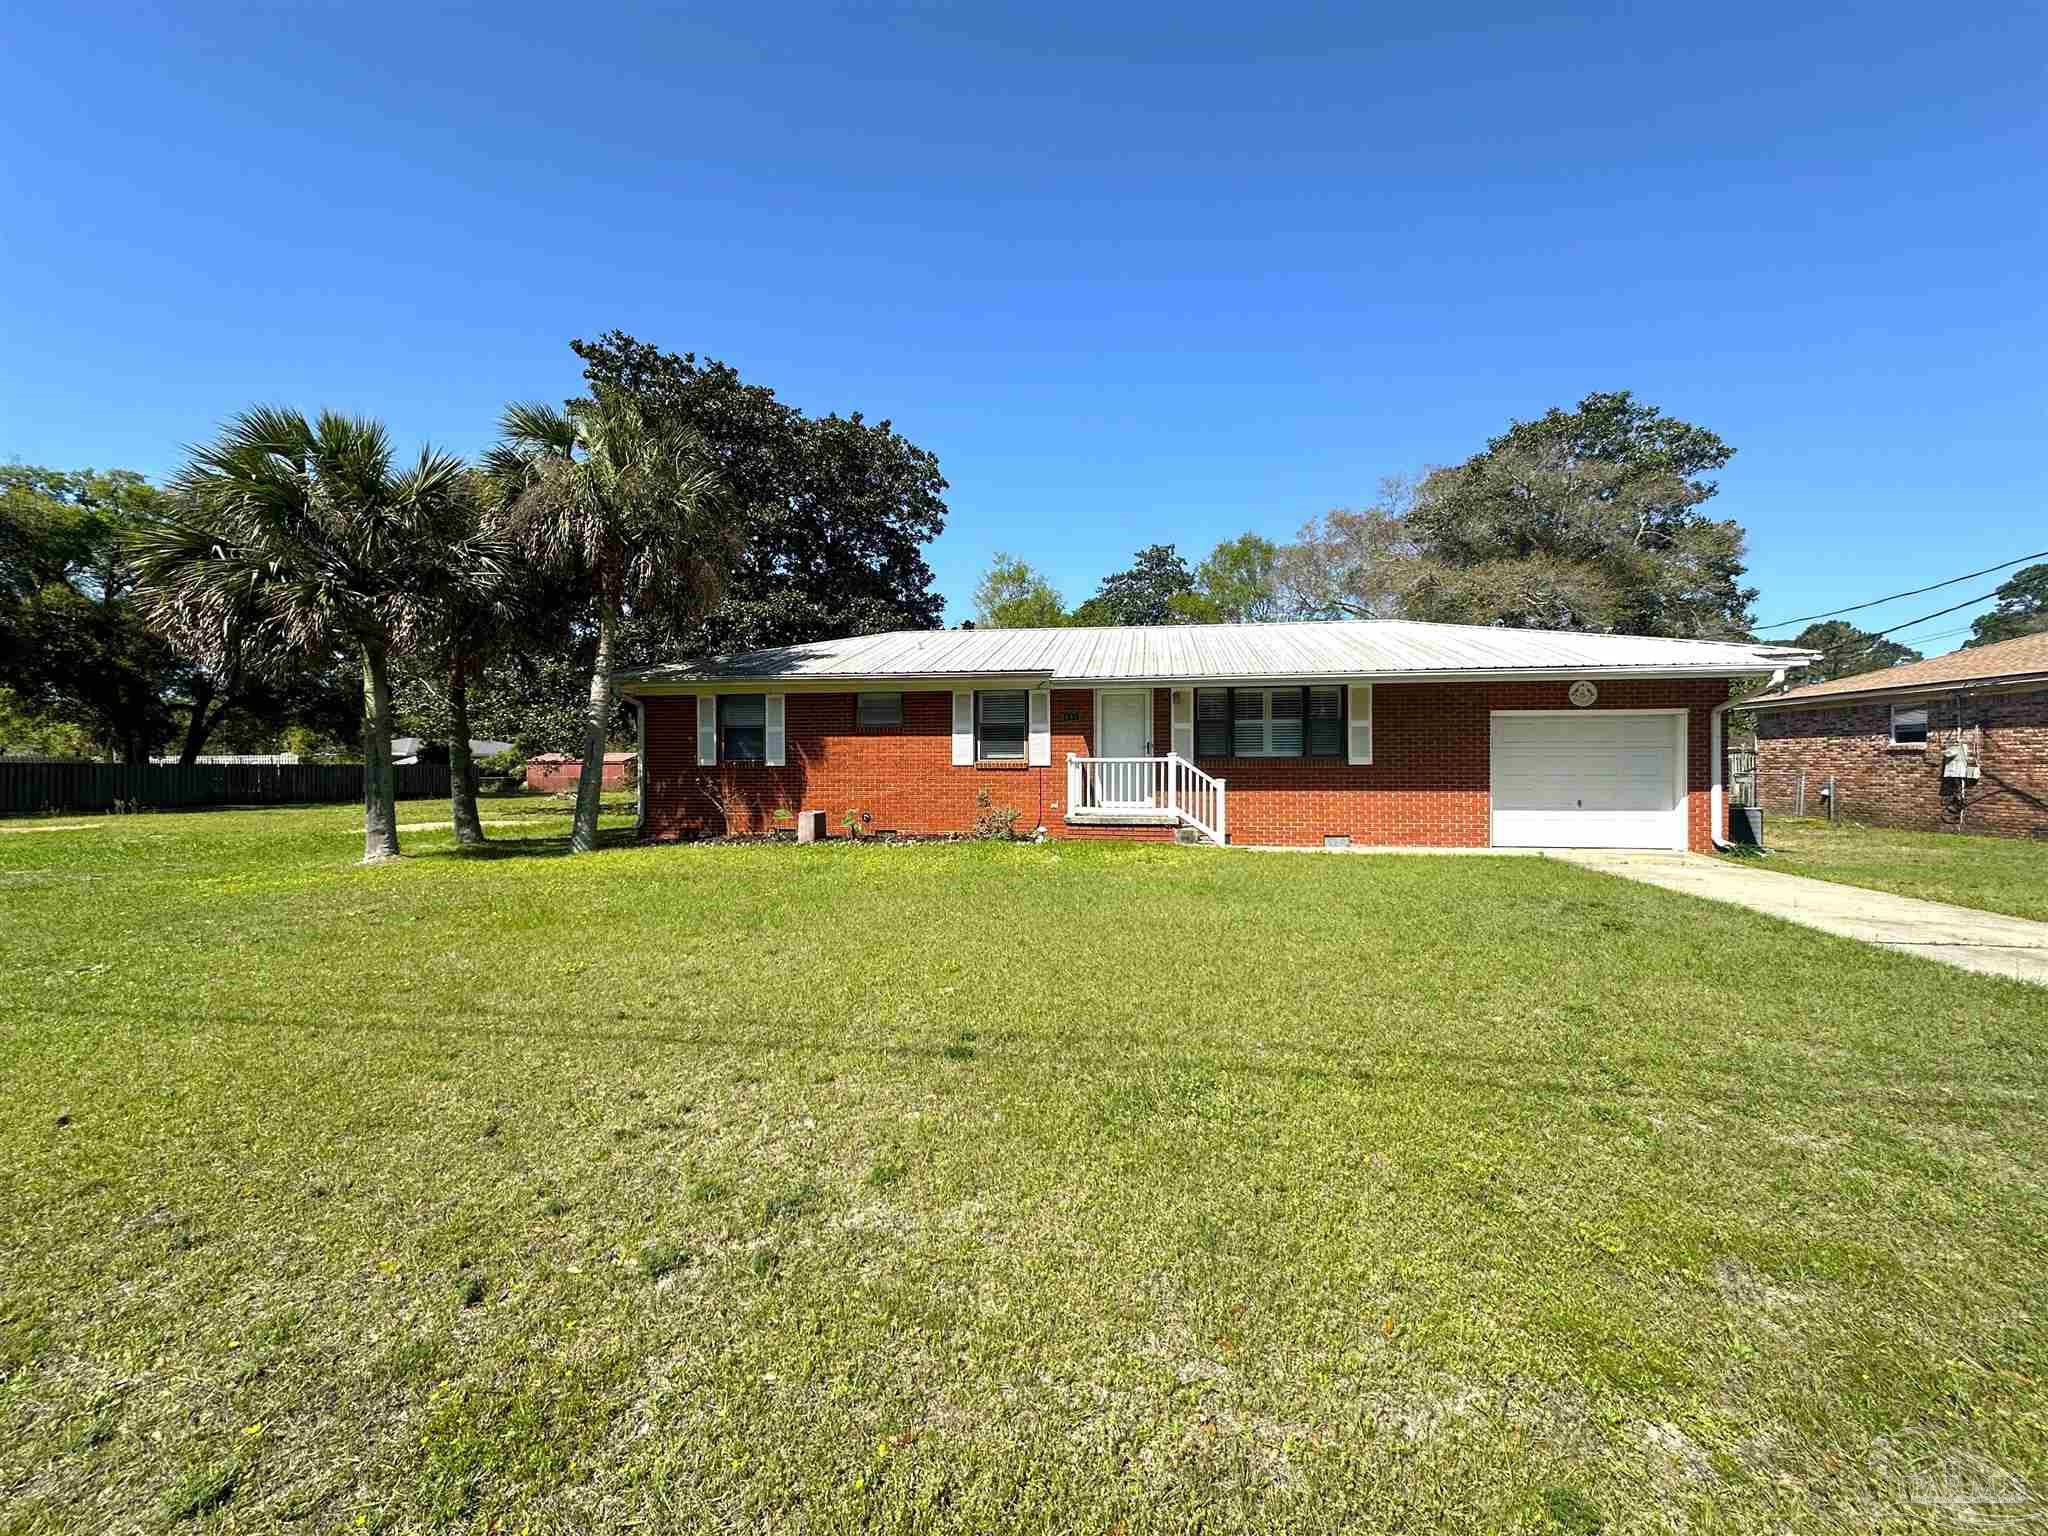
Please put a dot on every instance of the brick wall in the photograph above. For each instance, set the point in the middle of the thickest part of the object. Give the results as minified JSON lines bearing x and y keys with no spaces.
{"x":1884,"y":785}
{"x":1426,"y":787}
{"x":550,"y":771}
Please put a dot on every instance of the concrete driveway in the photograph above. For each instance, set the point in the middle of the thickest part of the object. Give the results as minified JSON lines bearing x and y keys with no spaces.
{"x":1975,"y":941}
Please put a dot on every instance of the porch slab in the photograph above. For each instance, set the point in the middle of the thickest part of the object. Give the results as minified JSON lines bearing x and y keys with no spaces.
{"x":1131,"y":818}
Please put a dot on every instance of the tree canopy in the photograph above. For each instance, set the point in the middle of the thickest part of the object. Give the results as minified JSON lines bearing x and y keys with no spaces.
{"x":1143,"y":593}
{"x":79,"y":651}
{"x":306,"y":537}
{"x":834,"y":511}
{"x":1846,"y":650}
{"x":1014,"y":595}
{"x":2022,"y":609}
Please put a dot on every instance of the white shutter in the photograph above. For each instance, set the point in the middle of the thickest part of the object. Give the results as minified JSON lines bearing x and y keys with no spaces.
{"x":963,"y":728}
{"x":1184,"y":723}
{"x":1038,"y":749}
{"x":707,"y":729}
{"x":773,"y":732}
{"x":1358,"y":727}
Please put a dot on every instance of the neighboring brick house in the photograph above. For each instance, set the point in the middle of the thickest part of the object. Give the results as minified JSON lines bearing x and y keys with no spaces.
{"x":1389,"y":734}
{"x":551,"y":770}
{"x":1959,"y":742}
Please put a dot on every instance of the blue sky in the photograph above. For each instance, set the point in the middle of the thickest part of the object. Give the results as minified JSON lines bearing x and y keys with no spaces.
{"x":1134,"y":275}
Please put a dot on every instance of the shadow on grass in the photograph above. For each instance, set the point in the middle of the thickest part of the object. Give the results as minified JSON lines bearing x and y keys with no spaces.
{"x":526,"y":847}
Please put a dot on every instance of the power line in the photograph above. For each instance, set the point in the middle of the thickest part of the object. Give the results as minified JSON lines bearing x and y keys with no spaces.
{"x":1838,"y":657}
{"x":1857,"y":607}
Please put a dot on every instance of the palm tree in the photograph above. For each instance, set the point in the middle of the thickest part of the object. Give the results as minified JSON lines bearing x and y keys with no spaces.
{"x":477,"y":604}
{"x":635,"y":508}
{"x":304,"y":534}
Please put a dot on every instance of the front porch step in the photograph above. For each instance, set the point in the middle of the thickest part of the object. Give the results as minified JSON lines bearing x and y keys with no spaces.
{"x":1135,"y":816}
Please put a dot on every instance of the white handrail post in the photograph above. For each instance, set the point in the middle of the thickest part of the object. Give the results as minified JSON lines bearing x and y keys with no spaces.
{"x":1173,"y":784}
{"x":1222,"y":817}
{"x":1073,"y":782}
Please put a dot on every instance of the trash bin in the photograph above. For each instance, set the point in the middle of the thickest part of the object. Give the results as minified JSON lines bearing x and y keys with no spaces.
{"x":1746,"y":825}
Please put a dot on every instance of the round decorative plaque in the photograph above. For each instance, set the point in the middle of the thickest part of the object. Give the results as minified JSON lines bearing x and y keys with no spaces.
{"x":1583,"y":693}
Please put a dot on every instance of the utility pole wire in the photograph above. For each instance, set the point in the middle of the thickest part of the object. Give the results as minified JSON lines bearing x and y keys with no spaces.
{"x":1855,"y":607}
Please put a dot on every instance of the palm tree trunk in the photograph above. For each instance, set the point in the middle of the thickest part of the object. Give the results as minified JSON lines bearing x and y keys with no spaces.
{"x":590,"y":785}
{"x":380,"y":780}
{"x":200,"y":726}
{"x":469,"y":826}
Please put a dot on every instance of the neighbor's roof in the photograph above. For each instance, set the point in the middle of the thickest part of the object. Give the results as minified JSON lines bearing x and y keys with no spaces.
{"x":1221,"y":652}
{"x":2007,"y":661}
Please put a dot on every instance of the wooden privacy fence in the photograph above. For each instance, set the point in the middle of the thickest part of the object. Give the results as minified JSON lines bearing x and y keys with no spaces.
{"x":29,"y":788}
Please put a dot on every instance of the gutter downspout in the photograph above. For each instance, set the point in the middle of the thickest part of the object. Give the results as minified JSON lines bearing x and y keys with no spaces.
{"x":1717,"y":815}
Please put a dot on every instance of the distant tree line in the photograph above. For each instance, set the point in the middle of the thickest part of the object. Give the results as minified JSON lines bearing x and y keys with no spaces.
{"x":1588,"y":519}
{"x":297,"y":579}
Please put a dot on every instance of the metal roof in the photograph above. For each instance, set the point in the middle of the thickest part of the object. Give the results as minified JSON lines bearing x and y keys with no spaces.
{"x":1360,"y":649}
{"x":2005,"y":661}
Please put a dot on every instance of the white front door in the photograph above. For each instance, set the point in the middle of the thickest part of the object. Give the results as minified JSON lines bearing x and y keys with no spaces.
{"x":1124,"y":730}
{"x":1588,"y":779}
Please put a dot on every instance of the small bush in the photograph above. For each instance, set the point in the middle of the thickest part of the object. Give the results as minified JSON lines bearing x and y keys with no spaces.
{"x":993,"y":823}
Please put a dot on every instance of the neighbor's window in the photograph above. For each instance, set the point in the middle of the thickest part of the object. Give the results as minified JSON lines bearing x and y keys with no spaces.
{"x":1909,"y":727}
{"x":881,"y":709}
{"x":1000,"y":721}
{"x":742,"y":727}
{"x":1266,"y":722}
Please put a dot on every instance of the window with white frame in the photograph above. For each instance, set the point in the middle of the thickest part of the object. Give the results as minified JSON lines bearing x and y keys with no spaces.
{"x":1269,"y":722}
{"x":1909,"y":726}
{"x":881,"y":709}
{"x":1266,"y":722}
{"x":743,"y":727}
{"x":1002,"y":718}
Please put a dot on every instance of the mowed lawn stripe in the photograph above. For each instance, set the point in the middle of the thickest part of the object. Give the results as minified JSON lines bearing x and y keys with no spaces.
{"x":976,"y":1186}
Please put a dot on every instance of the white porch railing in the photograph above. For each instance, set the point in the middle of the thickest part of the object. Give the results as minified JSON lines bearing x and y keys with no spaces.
{"x":1135,"y":785}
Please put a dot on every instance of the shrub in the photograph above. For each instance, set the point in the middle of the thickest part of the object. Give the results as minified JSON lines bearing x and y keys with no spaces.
{"x":992,"y":822}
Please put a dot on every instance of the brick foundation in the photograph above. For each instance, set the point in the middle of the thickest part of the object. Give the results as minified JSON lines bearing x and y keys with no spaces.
{"x":1884,"y":785}
{"x":1426,"y":787}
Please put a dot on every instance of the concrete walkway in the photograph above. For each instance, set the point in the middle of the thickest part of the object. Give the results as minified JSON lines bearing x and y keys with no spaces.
{"x":1960,"y":936}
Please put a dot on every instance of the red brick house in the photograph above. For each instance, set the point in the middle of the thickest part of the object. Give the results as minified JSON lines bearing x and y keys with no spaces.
{"x":1394,"y":734}
{"x":1958,"y":742}
{"x":552,"y":770}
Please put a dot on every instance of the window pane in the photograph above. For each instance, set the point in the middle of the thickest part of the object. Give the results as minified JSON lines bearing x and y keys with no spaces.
{"x":743,"y":709}
{"x":1001,"y":723}
{"x":1326,"y":722}
{"x":743,"y":727}
{"x":1212,"y":722}
{"x":881,"y":709}
{"x":1909,"y":726}
{"x":1285,"y":737}
{"x":1004,"y":707}
{"x":1248,"y":721}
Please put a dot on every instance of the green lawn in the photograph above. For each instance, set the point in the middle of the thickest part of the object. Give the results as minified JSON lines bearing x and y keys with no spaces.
{"x":980,"y":1188}
{"x":1995,"y":874}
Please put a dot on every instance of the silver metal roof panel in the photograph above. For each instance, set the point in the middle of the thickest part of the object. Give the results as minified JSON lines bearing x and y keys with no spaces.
{"x":1165,"y":653}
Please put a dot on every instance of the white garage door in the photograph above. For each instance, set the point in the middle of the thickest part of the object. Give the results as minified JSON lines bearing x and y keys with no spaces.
{"x":1588,"y":780}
